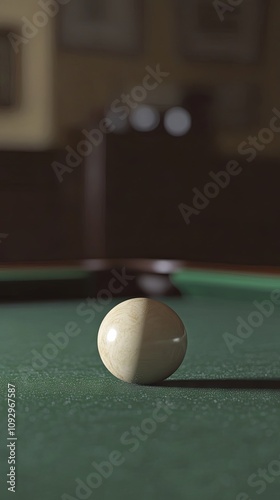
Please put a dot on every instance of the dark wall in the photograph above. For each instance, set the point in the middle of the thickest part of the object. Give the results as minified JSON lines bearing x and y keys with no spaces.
{"x":149,"y":175}
{"x":43,"y":218}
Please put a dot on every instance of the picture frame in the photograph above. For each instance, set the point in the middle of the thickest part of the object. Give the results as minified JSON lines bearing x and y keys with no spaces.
{"x":205,"y":36}
{"x":102,"y":25}
{"x":8,"y":73}
{"x":26,"y":119}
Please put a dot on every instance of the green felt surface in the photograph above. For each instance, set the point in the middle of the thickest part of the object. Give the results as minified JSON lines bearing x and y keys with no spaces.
{"x":222,"y":417}
{"x":37,"y":274}
{"x":223,"y":283}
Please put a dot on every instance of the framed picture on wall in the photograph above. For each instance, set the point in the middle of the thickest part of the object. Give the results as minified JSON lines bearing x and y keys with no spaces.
{"x":209,"y":34}
{"x":8,"y":72}
{"x":102,"y":25}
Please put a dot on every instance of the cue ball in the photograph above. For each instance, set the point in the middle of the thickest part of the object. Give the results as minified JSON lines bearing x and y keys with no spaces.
{"x":142,"y":341}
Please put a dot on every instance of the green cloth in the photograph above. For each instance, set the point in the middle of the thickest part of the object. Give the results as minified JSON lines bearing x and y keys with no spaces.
{"x":39,"y":274}
{"x":222,"y":416}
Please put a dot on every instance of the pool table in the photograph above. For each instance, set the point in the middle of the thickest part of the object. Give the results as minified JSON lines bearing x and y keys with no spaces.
{"x":210,"y":432}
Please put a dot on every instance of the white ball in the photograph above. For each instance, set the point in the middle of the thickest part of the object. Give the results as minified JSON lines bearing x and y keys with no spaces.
{"x":142,"y":341}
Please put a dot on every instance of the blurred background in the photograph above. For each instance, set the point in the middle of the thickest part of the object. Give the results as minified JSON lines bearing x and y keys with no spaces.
{"x":114,"y":118}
